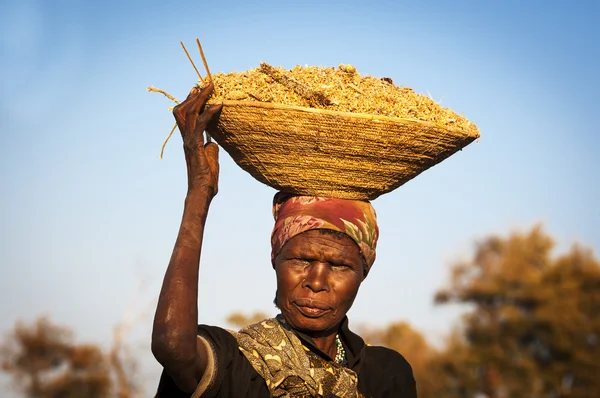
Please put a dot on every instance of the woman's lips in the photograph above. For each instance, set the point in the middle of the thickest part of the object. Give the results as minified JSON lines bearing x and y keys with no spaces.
{"x":311,"y":308}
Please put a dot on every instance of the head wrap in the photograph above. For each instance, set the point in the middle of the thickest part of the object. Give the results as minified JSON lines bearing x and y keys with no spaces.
{"x":296,"y":214}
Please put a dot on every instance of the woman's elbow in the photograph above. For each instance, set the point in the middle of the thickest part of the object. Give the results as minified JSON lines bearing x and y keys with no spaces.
{"x":170,"y":351}
{"x":159,"y":348}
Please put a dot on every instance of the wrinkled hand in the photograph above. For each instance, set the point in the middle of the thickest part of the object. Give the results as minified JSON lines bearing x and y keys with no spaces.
{"x":202,"y":161}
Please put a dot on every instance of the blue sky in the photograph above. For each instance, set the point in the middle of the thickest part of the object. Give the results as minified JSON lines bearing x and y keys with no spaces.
{"x":89,"y":211}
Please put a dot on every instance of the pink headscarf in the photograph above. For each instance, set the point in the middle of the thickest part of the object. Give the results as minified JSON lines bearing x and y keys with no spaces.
{"x":296,"y":214}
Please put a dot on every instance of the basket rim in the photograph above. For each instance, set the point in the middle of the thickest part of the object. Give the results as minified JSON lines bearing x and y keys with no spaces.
{"x":473,"y":131}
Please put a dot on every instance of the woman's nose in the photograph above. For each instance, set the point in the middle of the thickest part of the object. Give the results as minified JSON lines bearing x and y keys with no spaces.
{"x":316,"y":277}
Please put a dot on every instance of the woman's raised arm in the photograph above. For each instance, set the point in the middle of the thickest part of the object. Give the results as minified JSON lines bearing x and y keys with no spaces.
{"x":174,"y":341}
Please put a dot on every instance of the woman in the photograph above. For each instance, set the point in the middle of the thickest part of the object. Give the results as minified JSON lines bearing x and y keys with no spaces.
{"x":322,"y":249}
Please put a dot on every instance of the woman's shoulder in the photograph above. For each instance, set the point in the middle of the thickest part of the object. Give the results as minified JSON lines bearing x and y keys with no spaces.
{"x":229,"y":375}
{"x":217,"y":334}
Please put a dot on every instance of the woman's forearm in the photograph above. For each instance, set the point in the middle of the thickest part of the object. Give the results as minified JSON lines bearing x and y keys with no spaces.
{"x":174,"y":341}
{"x":176,"y":319}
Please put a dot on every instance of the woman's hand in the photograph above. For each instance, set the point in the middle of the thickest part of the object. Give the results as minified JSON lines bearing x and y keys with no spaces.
{"x":202,"y":161}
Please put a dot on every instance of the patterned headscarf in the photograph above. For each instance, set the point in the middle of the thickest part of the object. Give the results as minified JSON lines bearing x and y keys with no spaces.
{"x":296,"y":214}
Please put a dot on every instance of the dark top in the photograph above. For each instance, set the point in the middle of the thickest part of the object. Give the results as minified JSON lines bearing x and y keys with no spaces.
{"x":381,"y":372}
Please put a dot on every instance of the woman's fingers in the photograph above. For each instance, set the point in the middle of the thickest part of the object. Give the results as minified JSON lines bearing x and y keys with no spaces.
{"x":201,"y":123}
{"x":207,"y":115}
{"x":187,"y":112}
{"x":206,"y":93}
{"x":180,"y":110}
{"x":197,"y":103}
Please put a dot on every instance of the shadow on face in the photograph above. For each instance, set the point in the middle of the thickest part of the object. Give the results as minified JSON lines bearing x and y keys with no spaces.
{"x":319,"y":273}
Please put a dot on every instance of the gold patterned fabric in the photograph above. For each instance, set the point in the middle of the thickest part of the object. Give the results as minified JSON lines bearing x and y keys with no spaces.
{"x":288,"y":367}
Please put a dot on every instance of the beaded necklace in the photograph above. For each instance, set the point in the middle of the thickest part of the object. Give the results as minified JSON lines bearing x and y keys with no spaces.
{"x":340,"y":355}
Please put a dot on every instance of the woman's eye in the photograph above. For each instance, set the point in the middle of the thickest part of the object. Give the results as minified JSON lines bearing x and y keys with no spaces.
{"x":340,"y":266}
{"x":298,"y":261}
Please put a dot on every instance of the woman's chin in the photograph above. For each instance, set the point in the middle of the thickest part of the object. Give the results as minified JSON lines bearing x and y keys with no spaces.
{"x":306,"y":321}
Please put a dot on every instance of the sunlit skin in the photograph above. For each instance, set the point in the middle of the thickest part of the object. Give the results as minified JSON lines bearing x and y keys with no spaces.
{"x":318,"y":274}
{"x":318,"y":277}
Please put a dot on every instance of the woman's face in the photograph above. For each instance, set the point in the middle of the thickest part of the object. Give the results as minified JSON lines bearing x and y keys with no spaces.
{"x":318,"y":276}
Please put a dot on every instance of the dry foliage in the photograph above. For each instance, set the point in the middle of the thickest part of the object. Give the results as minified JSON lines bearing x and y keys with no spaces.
{"x":45,"y":362}
{"x":240,"y":320}
{"x":535,"y":327}
{"x":337,"y":89}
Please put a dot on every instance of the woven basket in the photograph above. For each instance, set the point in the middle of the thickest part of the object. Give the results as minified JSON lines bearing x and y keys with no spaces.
{"x":335,"y":154}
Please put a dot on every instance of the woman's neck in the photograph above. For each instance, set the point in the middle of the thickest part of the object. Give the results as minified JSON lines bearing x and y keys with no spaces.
{"x":325,"y":341}
{"x":326,"y":344}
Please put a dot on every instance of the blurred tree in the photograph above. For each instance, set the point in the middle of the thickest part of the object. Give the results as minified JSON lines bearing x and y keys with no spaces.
{"x":45,"y":362}
{"x":240,"y":320}
{"x":534,"y":327}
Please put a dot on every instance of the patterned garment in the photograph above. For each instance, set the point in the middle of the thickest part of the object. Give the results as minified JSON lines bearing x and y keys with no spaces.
{"x":297,"y":214}
{"x":289,"y":368}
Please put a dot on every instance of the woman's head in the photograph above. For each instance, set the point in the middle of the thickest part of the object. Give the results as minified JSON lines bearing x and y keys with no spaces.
{"x":322,"y":249}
